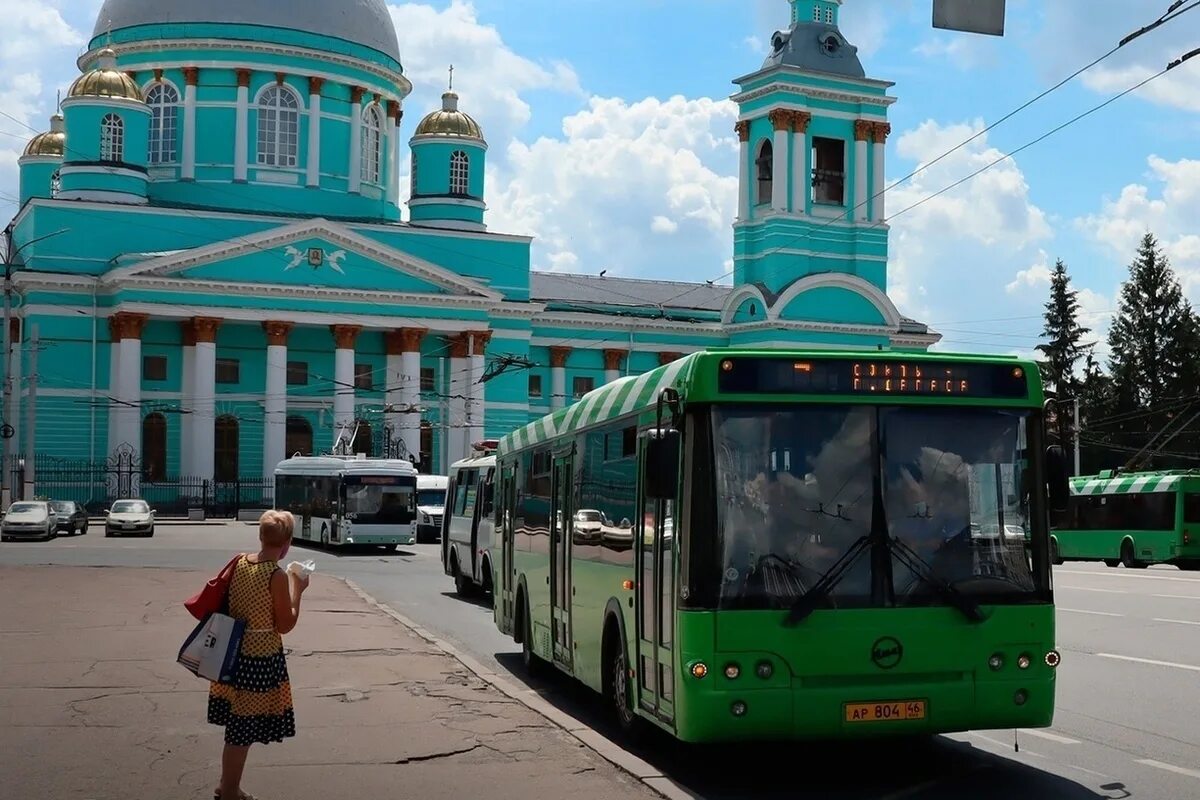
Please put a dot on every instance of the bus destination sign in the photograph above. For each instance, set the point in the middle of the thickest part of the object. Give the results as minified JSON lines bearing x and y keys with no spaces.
{"x":377,"y":480}
{"x":843,"y":376}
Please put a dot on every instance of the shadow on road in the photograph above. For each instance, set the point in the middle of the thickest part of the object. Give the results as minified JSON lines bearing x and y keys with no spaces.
{"x":479,"y":600}
{"x":350,"y":552}
{"x":930,"y":768}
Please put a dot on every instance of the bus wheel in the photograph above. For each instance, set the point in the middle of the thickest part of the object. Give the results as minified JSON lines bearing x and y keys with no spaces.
{"x":1128,"y":560}
{"x":1055,"y":558}
{"x":1112,"y":562}
{"x":616,"y":684}
{"x":462,"y":584}
{"x":529,"y":659}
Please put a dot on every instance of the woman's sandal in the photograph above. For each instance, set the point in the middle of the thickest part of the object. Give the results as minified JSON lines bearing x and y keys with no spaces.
{"x":241,"y":795}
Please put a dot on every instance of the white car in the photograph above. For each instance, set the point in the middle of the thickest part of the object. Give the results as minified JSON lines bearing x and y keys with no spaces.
{"x":127,"y":517}
{"x":28,"y":519}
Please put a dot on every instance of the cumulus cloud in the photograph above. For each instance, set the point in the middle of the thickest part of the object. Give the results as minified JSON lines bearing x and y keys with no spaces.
{"x":617,"y":170}
{"x":1035,"y":276}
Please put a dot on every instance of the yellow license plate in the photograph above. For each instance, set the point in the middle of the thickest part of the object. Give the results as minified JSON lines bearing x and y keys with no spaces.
{"x":890,"y":711}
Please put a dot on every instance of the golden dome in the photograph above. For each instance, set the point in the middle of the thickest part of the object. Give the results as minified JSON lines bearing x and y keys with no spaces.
{"x":51,"y":143}
{"x":449,"y":121}
{"x":106,"y":80}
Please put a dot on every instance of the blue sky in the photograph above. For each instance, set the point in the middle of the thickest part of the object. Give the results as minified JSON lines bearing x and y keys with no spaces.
{"x":611,"y":137}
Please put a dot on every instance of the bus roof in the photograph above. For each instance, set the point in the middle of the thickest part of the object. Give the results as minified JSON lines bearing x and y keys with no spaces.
{"x":1131,"y":482}
{"x":477,"y":460}
{"x":636,"y":394}
{"x":329,"y":465}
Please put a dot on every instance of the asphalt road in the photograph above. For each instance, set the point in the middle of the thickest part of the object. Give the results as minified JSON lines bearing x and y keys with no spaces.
{"x":1127,"y":723}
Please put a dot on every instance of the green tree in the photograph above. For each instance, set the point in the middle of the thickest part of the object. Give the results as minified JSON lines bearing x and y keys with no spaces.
{"x":1063,"y":346}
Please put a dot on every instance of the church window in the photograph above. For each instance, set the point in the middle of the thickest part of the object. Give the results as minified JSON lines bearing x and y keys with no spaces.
{"x":154,"y":447}
{"x":364,"y":376}
{"x":297,"y":373}
{"x":816,"y":12}
{"x":412,"y":189}
{"x":428,"y":379}
{"x":460,"y":173}
{"x":154,"y":368}
{"x":55,"y":183}
{"x":535,"y":387}
{"x":112,"y":138}
{"x":229,"y":371}
{"x":163,"y":100}
{"x":226,"y":449}
{"x":582,"y":385}
{"x":829,"y":171}
{"x":829,"y":16}
{"x":765,"y":165}
{"x":299,"y":440}
{"x":372,"y":143}
{"x":278,"y":127}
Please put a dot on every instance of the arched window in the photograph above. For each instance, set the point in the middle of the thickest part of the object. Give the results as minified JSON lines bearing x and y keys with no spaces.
{"x":278,"y":127}
{"x":766,"y":171}
{"x":154,"y":447}
{"x":362,"y":439}
{"x":163,"y":99}
{"x":225,"y":449}
{"x":299,"y":437}
{"x":460,"y":173}
{"x":412,"y":189}
{"x":372,"y":143}
{"x":55,"y":183}
{"x":112,"y":138}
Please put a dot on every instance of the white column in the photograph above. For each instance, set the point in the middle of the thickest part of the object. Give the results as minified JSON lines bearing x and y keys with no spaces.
{"x":114,"y":376}
{"x":275,"y":399}
{"x":744,"y":187}
{"x":456,"y":407}
{"x":204,"y":409}
{"x":344,"y":337}
{"x":612,"y":364}
{"x":187,"y":402}
{"x":404,"y":389}
{"x":394,"y":419}
{"x":241,"y":142}
{"x":191,"y":76}
{"x":477,"y":412}
{"x":779,"y":163}
{"x":14,"y":362}
{"x":803,"y":178}
{"x":882,"y":129}
{"x":393,"y":153}
{"x":558,"y":377}
{"x":862,"y":132}
{"x":314,"y":131}
{"x":129,"y":394}
{"x":356,"y":139}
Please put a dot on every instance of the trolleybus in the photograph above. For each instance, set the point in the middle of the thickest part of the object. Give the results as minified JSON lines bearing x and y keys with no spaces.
{"x":788,"y":545}
{"x":1133,"y":519}
{"x":468,"y":523}
{"x":343,"y":501}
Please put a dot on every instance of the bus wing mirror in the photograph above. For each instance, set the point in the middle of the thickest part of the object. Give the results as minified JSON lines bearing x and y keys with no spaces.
{"x":662,"y":464}
{"x":1058,"y":478}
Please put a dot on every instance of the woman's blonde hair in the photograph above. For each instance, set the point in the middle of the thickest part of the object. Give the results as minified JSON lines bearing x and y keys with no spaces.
{"x":275,"y":528}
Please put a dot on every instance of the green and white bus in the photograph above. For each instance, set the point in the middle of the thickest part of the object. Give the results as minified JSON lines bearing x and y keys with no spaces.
{"x":785,"y":545}
{"x":1133,"y":519}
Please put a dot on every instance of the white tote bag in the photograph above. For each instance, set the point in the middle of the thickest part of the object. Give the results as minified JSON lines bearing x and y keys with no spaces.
{"x":211,"y":651}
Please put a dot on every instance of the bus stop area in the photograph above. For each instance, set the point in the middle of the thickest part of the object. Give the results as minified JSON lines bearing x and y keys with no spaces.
{"x":94,"y":706}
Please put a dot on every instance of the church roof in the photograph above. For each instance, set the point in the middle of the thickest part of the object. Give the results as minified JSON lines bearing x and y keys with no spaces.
{"x":634,"y":292}
{"x":365,"y":22}
{"x":815,"y":47}
{"x":449,"y":121}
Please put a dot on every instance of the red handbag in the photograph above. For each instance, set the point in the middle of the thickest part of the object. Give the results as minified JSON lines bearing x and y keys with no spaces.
{"x":215,"y":594}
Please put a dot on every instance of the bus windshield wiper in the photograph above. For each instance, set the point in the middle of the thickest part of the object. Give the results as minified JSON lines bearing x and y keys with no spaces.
{"x":803,"y":607}
{"x":924,"y":571}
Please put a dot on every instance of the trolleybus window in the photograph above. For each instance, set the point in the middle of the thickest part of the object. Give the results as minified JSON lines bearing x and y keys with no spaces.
{"x":1191,"y":508}
{"x":380,"y":500}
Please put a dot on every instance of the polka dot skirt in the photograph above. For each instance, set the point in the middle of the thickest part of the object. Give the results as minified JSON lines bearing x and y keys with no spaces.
{"x":256,"y":708}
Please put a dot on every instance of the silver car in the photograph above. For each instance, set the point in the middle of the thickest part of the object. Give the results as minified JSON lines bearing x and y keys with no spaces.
{"x":29,"y":519}
{"x":129,"y":517}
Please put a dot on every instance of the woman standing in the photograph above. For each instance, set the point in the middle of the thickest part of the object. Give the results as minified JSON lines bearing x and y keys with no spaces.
{"x":257,"y":706}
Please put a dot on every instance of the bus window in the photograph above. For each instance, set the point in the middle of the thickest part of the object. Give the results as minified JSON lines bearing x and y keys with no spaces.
{"x":1191,"y":508}
{"x":488,"y":495}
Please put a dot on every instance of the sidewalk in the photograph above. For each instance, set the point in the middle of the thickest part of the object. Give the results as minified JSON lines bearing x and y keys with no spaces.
{"x":94,"y":707}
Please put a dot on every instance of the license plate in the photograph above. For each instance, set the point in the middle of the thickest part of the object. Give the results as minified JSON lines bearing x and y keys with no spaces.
{"x":889,"y":711}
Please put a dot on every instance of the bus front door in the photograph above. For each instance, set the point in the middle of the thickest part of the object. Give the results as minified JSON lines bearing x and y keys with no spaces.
{"x":654,"y":543}
{"x":506,"y":504}
{"x":560,"y":558}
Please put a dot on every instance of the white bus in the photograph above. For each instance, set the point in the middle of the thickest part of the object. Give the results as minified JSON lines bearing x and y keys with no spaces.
{"x":468,"y":523}
{"x":431,"y":502}
{"x":349,"y":501}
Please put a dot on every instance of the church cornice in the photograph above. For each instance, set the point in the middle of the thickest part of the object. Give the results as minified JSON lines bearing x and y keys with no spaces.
{"x":813,"y":93}
{"x":158,"y":50}
{"x":609,"y":322}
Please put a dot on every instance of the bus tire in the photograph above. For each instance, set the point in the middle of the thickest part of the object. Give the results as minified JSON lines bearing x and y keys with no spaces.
{"x":1112,"y":562}
{"x":485,"y":575}
{"x":530,"y":660}
{"x":462,"y":584}
{"x":1128,"y":558}
{"x":617,"y":691}
{"x":1055,"y":557}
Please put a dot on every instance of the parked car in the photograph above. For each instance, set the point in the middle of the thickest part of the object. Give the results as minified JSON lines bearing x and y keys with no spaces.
{"x":28,"y":519}
{"x":129,"y":517}
{"x":72,"y":517}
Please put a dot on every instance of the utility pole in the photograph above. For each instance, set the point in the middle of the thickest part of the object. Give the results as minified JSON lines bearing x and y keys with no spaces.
{"x":1076,"y":437}
{"x":31,"y":418}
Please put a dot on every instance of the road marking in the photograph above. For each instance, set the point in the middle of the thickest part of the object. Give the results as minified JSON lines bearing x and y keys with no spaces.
{"x":1128,"y":574}
{"x":1053,"y":737}
{"x":1089,"y":589}
{"x":1005,"y":745}
{"x":1176,"y":596}
{"x":1149,"y":762}
{"x":1177,"y":621}
{"x":1096,"y":613}
{"x":1150,"y":661}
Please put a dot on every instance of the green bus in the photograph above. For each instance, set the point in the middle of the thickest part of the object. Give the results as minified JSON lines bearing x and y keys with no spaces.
{"x":772,"y":544}
{"x":1133,"y":519}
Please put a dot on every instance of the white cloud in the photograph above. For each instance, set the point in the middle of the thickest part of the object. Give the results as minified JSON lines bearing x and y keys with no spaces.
{"x":965,"y":52}
{"x":755,"y":44}
{"x":1168,"y":207}
{"x":1037,"y":275}
{"x":619,"y":168}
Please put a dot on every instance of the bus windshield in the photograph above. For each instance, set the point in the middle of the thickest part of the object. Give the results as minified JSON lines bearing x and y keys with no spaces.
{"x":383,"y":500}
{"x":801,"y":487}
{"x":431,"y":497}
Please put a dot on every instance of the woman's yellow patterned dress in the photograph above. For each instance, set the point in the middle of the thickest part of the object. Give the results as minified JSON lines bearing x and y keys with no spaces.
{"x":257,"y":707}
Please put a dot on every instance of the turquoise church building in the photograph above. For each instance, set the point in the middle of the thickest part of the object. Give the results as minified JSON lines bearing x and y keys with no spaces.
{"x":214,"y":266}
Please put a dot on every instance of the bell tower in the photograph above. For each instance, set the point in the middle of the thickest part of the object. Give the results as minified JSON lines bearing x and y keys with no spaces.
{"x":812,"y":129}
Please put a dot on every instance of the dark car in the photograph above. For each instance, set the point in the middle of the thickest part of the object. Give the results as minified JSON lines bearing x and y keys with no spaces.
{"x":72,"y":517}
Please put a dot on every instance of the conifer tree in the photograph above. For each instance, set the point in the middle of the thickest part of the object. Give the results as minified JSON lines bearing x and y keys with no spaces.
{"x":1063,"y":346}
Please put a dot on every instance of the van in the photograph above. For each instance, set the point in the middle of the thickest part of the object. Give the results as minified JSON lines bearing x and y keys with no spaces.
{"x":431,"y":502}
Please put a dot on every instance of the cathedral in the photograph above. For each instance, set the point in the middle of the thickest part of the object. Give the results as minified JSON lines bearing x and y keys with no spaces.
{"x":216,"y":269}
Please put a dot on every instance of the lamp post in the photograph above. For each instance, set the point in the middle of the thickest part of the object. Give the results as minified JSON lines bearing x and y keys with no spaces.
{"x":1074,"y":401}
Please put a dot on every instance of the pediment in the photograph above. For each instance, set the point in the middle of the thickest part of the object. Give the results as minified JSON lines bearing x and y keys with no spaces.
{"x":311,"y":254}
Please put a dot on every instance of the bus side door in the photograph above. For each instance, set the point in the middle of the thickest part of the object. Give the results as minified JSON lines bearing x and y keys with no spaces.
{"x":562,"y":499}
{"x":654,"y":546}
{"x":503,"y":589}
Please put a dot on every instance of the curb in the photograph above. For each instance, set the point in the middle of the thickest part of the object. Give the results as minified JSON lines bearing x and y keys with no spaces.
{"x":602,"y":746}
